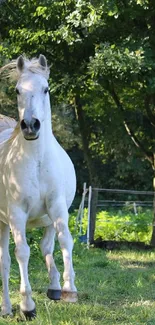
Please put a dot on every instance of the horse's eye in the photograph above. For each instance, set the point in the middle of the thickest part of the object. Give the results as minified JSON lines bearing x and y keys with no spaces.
{"x":46,"y":90}
{"x":17,"y":91}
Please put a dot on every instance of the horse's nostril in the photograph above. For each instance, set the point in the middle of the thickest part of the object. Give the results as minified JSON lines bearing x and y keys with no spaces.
{"x":23,"y":125}
{"x":36,"y":125}
{"x":32,"y":126}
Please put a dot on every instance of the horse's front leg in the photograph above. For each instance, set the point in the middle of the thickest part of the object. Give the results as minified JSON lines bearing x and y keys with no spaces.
{"x":18,"y":219}
{"x":59,"y":214}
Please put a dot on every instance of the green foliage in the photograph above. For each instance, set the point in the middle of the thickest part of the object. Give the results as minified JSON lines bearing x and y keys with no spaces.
{"x":113,"y":62}
{"x":127,"y":227}
{"x":122,"y":225}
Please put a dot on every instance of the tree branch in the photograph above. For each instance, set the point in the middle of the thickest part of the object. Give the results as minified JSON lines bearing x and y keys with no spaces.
{"x":148,"y":111}
{"x":148,"y":154}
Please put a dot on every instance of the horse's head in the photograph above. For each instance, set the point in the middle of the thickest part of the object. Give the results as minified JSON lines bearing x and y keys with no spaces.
{"x":32,"y":94}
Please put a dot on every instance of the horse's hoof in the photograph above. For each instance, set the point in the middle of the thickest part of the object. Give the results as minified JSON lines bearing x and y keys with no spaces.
{"x":29,"y":315}
{"x":54,"y":294}
{"x":69,"y":296}
{"x":6,"y":312}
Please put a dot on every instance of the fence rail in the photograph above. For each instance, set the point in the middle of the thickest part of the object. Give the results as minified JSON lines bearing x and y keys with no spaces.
{"x":123,"y":191}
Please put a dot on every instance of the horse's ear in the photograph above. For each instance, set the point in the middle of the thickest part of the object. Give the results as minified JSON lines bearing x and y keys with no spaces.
{"x":42,"y":61}
{"x":20,"y":63}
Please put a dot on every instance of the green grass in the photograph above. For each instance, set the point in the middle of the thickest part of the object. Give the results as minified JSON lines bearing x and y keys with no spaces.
{"x":115,"y":287}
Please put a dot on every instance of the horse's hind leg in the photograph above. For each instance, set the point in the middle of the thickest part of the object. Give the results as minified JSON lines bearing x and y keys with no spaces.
{"x":47,"y":247}
{"x":6,"y":308}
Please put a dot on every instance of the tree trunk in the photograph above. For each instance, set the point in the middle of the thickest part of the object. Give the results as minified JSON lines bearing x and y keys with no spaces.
{"x":93,"y":176}
{"x":85,"y":133}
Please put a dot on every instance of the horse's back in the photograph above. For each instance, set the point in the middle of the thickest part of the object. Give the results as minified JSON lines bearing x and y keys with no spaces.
{"x":7,"y":126}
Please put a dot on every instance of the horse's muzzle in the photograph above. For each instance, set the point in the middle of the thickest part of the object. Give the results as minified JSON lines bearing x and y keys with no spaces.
{"x":30,"y":129}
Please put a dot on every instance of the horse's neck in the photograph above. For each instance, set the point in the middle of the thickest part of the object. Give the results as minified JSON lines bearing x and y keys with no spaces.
{"x":37,"y":148}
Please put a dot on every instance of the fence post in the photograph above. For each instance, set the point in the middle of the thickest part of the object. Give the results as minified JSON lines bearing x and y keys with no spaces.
{"x":89,"y":206}
{"x":93,"y":209}
{"x":82,"y":206}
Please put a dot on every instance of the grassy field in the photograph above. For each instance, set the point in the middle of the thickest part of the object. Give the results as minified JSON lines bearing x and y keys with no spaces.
{"x":115,"y":287}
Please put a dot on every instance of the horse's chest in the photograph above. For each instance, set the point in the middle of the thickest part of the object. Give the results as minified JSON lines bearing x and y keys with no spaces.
{"x":42,"y":187}
{"x":30,"y":184}
{"x":39,"y":183}
{"x":35,"y":197}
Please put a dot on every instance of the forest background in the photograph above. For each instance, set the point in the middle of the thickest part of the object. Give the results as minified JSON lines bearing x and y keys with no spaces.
{"x":102,"y":81}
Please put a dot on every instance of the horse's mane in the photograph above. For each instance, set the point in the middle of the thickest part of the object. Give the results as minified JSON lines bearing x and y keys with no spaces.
{"x":7,"y":122}
{"x":9,"y":128}
{"x":10,"y":71}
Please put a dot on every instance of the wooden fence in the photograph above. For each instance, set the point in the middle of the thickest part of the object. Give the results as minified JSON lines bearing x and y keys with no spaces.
{"x":91,"y":199}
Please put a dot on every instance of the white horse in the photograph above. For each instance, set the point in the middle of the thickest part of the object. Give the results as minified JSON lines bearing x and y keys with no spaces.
{"x":37,"y":186}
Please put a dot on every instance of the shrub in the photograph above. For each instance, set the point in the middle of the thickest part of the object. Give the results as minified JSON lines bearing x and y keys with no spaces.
{"x":122,"y":225}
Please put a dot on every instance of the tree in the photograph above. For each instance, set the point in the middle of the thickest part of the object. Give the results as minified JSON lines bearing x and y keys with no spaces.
{"x":63,"y":30}
{"x":102,"y":56}
{"x":126,"y":70}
